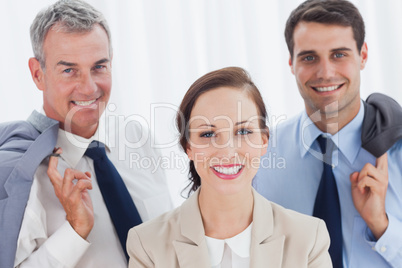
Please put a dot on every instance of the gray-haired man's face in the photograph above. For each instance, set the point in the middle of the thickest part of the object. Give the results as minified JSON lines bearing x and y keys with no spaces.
{"x":77,"y":81}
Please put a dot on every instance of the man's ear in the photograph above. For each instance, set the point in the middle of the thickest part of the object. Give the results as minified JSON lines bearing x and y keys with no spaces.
{"x":363,"y":56}
{"x":291,"y":64}
{"x":37,"y":73}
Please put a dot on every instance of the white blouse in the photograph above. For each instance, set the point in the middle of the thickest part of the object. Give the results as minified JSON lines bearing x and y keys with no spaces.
{"x":233,"y":252}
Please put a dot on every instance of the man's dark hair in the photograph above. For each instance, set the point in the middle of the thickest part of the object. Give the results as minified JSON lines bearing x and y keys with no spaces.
{"x":331,"y":12}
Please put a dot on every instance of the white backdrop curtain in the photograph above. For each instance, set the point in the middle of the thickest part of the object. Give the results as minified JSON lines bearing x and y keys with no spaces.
{"x":162,"y":46}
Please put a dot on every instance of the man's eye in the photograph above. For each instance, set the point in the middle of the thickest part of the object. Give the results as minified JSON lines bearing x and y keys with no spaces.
{"x":309,"y":58}
{"x":69,"y":70}
{"x":243,"y":132}
{"x":99,"y":67}
{"x":208,"y":134}
{"x":339,"y":55}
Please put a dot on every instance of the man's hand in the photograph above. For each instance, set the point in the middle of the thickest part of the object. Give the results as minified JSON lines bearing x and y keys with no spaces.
{"x":72,"y":191}
{"x":369,"y":188}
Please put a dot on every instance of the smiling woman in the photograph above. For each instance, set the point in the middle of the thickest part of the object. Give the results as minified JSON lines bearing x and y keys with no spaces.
{"x":235,"y":110}
{"x":225,"y":223}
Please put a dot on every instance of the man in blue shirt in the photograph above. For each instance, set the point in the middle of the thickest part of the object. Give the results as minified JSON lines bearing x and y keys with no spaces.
{"x":327,"y":52}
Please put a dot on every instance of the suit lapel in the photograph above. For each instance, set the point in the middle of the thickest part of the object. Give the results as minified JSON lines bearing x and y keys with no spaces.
{"x":191,"y":255}
{"x":266,"y":248}
{"x":268,"y":253}
{"x":194,"y":251}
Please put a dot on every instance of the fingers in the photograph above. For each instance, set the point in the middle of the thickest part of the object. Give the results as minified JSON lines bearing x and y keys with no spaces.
{"x":75,"y":196}
{"x":360,"y":183}
{"x":373,"y":172}
{"x":353,"y":178}
{"x":52,"y":171}
{"x":72,"y":192}
{"x":368,"y":183}
{"x":382,"y":163}
{"x":81,"y":186}
{"x":374,"y":178}
{"x":71,"y":179}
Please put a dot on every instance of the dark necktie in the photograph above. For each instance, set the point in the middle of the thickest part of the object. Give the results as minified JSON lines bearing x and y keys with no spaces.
{"x":118,"y":201}
{"x":327,"y":205}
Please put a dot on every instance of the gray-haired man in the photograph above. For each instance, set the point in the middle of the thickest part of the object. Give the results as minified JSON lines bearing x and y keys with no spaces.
{"x":63,"y":221}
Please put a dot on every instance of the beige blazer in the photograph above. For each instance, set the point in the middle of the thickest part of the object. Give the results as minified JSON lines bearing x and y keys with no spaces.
{"x":280,"y":238}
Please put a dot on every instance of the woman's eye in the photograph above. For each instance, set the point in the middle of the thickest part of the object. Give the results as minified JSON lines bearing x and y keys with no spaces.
{"x":243,"y":132}
{"x":209,"y":134}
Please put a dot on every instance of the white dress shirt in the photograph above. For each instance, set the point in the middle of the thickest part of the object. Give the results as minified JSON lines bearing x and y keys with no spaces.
{"x":233,"y":252}
{"x":46,"y":238}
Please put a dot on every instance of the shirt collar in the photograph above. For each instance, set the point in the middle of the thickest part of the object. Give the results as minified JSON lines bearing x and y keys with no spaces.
{"x":74,"y":146}
{"x":239,"y":244}
{"x":348,"y":139}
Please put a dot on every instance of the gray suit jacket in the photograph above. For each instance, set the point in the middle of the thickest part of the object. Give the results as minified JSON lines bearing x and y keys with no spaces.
{"x":23,"y":146}
{"x":280,"y":238}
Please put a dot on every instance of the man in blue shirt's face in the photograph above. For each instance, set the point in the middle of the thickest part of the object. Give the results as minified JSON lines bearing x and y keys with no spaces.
{"x":326,"y":64}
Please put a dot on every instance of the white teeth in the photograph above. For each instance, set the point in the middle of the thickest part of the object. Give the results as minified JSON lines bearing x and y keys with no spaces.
{"x":84,"y":103}
{"x":228,"y":171}
{"x":325,"y":89}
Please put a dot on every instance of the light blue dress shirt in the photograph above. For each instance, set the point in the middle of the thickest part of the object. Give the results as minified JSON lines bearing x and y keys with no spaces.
{"x":291,"y":170}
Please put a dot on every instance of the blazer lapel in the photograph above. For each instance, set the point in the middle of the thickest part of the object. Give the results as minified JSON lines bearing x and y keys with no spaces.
{"x":194,"y":251}
{"x":266,"y":249}
{"x":190,"y":255}
{"x":268,"y":253}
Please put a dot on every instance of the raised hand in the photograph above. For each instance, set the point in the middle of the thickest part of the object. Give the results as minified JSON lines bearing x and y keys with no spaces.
{"x":369,"y":188}
{"x":72,"y":192}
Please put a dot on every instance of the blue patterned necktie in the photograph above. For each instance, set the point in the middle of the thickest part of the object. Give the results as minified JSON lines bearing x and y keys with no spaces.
{"x":327,"y":205}
{"x":118,"y":201}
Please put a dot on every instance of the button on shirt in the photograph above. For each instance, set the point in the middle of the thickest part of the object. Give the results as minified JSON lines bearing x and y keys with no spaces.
{"x":47,"y":240}
{"x":233,"y":252}
{"x":290,"y":174}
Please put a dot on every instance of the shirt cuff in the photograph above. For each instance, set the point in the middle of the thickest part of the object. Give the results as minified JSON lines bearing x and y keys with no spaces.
{"x":67,"y":246}
{"x":389,"y":246}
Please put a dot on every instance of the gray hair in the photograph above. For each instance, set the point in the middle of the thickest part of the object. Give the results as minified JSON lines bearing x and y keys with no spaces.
{"x":70,"y":16}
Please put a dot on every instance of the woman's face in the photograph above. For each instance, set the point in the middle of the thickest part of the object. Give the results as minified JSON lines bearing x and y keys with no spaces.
{"x":226,"y":141}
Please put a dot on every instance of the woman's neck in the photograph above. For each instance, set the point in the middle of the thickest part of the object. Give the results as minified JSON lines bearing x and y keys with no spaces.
{"x":225,"y":216}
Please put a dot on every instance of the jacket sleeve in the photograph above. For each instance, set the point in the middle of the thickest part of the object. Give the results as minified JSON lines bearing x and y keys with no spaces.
{"x":15,"y":182}
{"x":138,"y":256}
{"x":319,"y":255}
